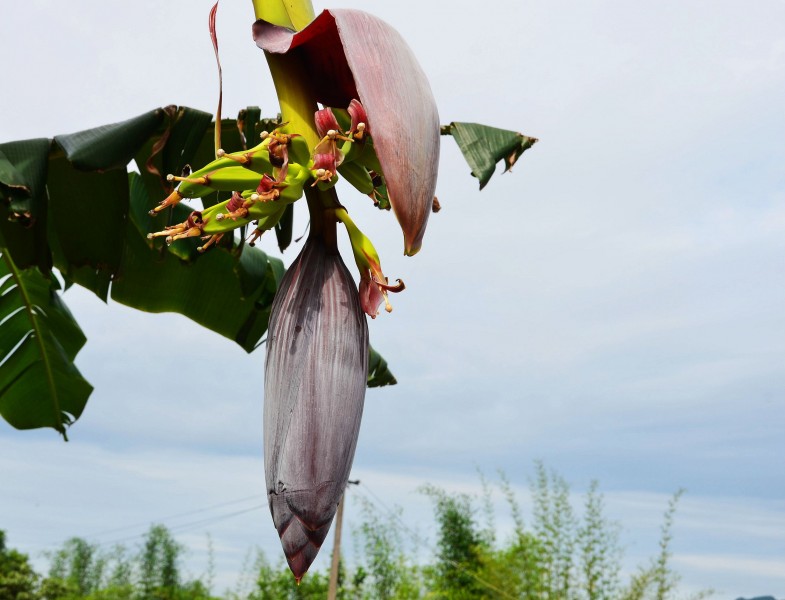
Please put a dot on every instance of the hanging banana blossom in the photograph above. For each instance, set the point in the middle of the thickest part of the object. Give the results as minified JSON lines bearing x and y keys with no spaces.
{"x":378,"y":129}
{"x":355,"y":105}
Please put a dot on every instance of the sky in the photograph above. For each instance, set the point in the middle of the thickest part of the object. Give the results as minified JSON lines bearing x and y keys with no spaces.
{"x":613,"y":307}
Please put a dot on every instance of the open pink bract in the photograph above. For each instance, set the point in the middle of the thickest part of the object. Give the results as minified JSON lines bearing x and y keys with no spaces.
{"x":349,"y":54}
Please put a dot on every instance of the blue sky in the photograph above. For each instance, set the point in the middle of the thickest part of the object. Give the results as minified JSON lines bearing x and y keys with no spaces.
{"x":614,"y":307}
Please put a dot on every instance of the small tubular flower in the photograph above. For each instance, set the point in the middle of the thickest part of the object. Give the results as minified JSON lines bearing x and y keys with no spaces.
{"x":278,"y":144}
{"x":191,"y":227}
{"x":374,"y":286}
{"x":360,"y":126}
{"x":325,"y":121}
{"x":315,"y":378}
{"x":327,"y":157}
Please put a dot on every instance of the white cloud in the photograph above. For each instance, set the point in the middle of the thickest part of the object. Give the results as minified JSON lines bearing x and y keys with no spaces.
{"x":738,"y":564}
{"x":613,"y":306}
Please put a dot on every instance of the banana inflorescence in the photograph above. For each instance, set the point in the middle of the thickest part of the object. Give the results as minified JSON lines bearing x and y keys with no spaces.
{"x":264,"y":179}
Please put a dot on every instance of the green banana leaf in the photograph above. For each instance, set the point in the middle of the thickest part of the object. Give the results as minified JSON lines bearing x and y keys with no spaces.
{"x":379,"y":374}
{"x":110,"y":146}
{"x":227,"y":291}
{"x":23,"y":216}
{"x":69,"y":202}
{"x":39,"y":339}
{"x":87,"y":213}
{"x":484,"y":146}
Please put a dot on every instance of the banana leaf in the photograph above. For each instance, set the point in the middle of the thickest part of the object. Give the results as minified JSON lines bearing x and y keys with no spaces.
{"x":39,"y":339}
{"x":23,"y":216}
{"x":379,"y":373}
{"x":484,"y":146}
{"x":69,"y":202}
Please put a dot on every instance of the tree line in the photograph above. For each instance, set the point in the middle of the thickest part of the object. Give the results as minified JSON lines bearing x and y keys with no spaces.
{"x":559,"y":554}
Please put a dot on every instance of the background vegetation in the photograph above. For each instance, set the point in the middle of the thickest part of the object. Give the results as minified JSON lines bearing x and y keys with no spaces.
{"x":561,"y":554}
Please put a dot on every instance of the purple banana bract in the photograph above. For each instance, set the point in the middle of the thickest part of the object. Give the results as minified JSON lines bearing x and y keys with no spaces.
{"x":349,"y":54}
{"x":315,"y":380}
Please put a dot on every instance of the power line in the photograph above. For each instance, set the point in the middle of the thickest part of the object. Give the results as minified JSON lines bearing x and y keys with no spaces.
{"x":191,"y":525}
{"x":179,"y":527}
{"x":196,"y":524}
{"x":176,"y":516}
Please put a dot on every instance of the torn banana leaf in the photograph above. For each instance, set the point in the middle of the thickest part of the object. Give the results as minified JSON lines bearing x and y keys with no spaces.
{"x":484,"y":146}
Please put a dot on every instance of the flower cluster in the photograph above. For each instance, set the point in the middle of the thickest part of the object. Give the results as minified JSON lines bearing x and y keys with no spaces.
{"x":379,"y":131}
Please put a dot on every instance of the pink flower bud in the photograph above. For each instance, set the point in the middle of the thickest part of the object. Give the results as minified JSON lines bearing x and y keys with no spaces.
{"x":325,"y":121}
{"x":358,"y":116}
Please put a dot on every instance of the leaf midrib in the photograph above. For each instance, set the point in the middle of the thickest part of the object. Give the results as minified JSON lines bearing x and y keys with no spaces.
{"x":28,"y":305}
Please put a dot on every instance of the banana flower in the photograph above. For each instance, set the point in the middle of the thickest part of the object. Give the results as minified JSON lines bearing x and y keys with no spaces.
{"x":317,"y":348}
{"x":384,"y":140}
{"x":348,"y":55}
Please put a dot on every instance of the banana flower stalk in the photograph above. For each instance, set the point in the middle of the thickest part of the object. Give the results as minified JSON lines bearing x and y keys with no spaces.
{"x":379,"y":129}
{"x":314,"y":375}
{"x":318,"y":341}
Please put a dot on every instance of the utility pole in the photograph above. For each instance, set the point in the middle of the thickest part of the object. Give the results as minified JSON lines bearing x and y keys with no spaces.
{"x":332,"y":591}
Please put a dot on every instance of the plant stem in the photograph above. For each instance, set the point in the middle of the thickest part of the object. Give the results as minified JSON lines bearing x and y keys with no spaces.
{"x":293,"y":14}
{"x":298,"y":106}
{"x":294,"y":95}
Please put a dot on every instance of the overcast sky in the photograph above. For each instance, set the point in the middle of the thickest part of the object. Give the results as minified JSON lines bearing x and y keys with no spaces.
{"x":614,"y":307}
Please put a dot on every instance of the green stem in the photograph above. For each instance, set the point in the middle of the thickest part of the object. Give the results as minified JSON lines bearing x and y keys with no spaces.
{"x":321,"y":206}
{"x":298,"y":104}
{"x":297,"y":111}
{"x":289,"y":75}
{"x":294,"y":95}
{"x":292,"y":14}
